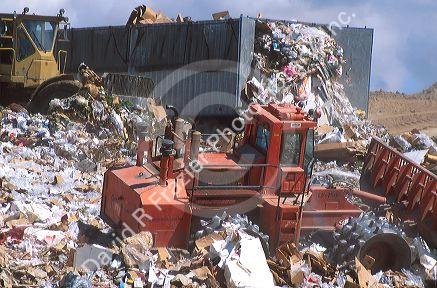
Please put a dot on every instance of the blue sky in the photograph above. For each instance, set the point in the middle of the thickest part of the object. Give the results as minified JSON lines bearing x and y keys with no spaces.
{"x":405,"y":39}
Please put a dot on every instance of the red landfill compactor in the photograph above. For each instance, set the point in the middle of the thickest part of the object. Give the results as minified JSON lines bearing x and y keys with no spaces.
{"x":265,"y":176}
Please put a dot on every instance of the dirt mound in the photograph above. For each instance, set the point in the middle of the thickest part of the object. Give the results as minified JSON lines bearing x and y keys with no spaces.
{"x":401,"y":112}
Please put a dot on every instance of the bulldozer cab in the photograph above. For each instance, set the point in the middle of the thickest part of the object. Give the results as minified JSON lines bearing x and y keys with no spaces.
{"x":27,"y":48}
{"x":274,"y":158}
{"x":284,"y":138}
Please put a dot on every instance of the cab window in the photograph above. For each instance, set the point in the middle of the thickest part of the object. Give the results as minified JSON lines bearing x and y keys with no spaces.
{"x":262,"y":139}
{"x":42,"y":34}
{"x":24,"y":45}
{"x":309,"y":150}
{"x":290,"y":149}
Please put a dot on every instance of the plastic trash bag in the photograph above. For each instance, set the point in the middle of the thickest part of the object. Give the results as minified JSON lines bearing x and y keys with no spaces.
{"x":417,"y":157}
{"x":422,"y":141}
{"x":73,"y":281}
{"x":335,"y":136}
{"x":412,"y":280}
{"x":400,"y":143}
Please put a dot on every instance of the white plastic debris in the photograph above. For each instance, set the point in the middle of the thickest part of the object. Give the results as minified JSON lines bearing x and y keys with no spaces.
{"x":250,"y":269}
{"x":92,"y":258}
{"x":46,"y":237}
{"x":417,"y":156}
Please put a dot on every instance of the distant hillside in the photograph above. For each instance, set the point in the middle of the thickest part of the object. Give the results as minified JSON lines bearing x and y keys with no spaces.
{"x":429,"y":93}
{"x":401,"y":112}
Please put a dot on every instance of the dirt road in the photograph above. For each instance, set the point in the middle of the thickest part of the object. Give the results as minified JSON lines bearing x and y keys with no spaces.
{"x":402,"y":113}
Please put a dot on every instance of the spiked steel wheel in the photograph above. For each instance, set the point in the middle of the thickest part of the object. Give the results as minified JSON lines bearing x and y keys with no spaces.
{"x":371,"y":236}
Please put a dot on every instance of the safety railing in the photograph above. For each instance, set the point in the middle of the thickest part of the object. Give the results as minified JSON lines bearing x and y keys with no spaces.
{"x":397,"y":176}
{"x":211,"y":140}
{"x":199,"y":184}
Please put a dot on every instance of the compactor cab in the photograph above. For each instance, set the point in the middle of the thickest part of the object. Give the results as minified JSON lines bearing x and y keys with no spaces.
{"x":283,"y":137}
{"x":273,"y":159}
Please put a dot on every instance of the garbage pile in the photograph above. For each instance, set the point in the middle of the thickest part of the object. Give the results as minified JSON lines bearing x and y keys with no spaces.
{"x":301,"y":64}
{"x":227,"y":252}
{"x":142,"y":15}
{"x":330,"y":174}
{"x":51,"y":174}
{"x":294,"y":58}
{"x":145,"y":15}
{"x":49,"y":187}
{"x":51,"y":171}
{"x":232,"y":252}
{"x":359,"y":255}
{"x":418,"y":147}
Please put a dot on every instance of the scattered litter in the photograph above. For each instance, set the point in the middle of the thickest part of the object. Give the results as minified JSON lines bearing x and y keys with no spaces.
{"x":51,"y":173}
{"x":92,"y":257}
{"x":136,"y":249}
{"x":73,"y":281}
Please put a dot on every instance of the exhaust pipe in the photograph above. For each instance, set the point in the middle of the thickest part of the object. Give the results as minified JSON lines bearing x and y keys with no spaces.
{"x":144,"y":144}
{"x":179,"y":131}
{"x":166,"y":152}
{"x":195,"y":145}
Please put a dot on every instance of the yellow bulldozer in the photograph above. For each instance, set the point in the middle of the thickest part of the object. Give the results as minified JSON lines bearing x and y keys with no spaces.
{"x":30,"y":69}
